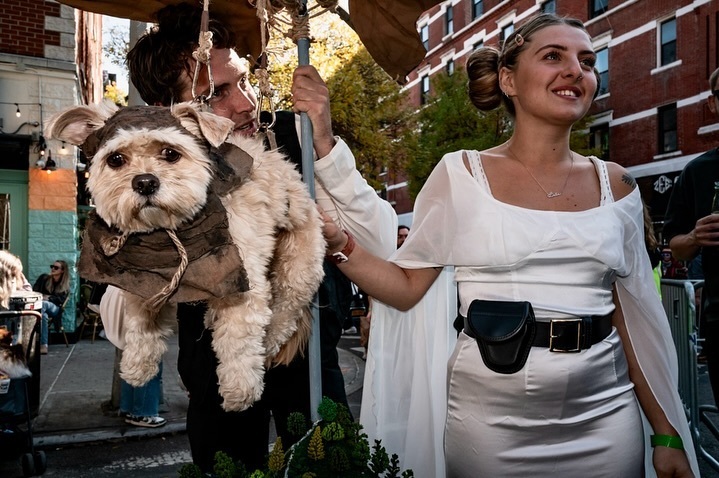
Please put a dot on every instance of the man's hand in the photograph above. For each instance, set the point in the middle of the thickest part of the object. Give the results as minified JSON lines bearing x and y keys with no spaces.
{"x":311,"y":96}
{"x":706,"y":231}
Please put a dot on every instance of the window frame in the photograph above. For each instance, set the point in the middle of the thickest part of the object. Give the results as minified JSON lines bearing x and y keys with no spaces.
{"x":663,"y":130}
{"x":477,"y":9}
{"x":424,"y":89}
{"x":671,"y":44}
{"x":602,"y":131}
{"x":543,"y":6}
{"x":603,"y":74}
{"x":449,"y":20}
{"x":594,"y":12}
{"x":424,"y":36}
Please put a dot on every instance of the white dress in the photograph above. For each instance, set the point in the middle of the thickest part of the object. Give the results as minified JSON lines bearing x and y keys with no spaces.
{"x":563,"y":412}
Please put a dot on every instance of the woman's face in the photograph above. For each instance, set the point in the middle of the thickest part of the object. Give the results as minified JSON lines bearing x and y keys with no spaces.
{"x":554,"y":77}
{"x":56,"y":271}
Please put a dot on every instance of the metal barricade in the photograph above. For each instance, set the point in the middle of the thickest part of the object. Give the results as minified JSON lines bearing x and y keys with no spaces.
{"x":679,"y":300}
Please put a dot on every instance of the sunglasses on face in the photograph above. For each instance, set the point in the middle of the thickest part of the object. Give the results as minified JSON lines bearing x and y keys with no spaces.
{"x":716,"y":93}
{"x":55,"y":268}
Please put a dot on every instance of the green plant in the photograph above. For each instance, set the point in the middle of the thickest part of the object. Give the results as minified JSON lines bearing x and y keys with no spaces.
{"x":334,"y":446}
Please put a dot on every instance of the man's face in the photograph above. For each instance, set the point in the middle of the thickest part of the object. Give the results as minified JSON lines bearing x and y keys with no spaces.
{"x":233,"y":97}
{"x":402,"y":236}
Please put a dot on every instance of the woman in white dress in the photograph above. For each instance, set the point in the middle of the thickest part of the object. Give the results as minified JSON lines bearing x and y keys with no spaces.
{"x":530,"y":220}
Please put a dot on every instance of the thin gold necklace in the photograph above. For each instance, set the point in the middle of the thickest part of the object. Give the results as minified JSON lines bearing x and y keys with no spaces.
{"x":550,"y":194}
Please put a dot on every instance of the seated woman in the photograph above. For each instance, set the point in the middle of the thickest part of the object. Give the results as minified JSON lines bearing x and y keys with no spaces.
{"x":54,"y":288}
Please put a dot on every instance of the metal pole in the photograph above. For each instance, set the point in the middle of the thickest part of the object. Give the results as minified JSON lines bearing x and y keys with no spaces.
{"x":137,"y":29}
{"x":308,"y":173}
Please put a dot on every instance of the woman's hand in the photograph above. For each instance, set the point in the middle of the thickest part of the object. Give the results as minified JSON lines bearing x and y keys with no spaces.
{"x":671,"y":463}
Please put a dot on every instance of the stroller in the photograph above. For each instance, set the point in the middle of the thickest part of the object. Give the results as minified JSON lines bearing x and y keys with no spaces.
{"x":20,"y":382}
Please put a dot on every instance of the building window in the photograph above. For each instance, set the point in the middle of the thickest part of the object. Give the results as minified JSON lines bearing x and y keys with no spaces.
{"x":424,"y":93}
{"x":602,"y":66}
{"x":477,"y":8}
{"x":450,"y":67}
{"x":668,"y":42}
{"x":599,"y":139}
{"x":597,"y":7}
{"x":424,"y":34}
{"x":478,"y":45}
{"x":449,"y":20}
{"x":506,"y":31}
{"x":668,"y":128}
{"x":549,"y":7}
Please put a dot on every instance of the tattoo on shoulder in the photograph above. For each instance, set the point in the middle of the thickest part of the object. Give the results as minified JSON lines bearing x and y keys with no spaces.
{"x":626,"y":178}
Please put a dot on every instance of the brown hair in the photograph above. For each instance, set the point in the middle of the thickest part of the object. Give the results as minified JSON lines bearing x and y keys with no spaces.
{"x":483,"y":64}
{"x":159,"y":63}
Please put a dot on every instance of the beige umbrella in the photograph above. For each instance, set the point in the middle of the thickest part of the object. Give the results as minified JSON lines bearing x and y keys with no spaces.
{"x":385,"y":27}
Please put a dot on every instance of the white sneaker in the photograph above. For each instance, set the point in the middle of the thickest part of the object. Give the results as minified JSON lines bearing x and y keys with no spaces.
{"x":351,"y":331}
{"x":149,"y":422}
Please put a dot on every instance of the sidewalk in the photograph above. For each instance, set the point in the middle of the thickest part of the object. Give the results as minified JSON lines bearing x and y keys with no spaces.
{"x":76,"y":381}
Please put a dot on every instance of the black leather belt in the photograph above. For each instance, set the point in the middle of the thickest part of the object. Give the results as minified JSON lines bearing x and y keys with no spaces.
{"x":568,"y":335}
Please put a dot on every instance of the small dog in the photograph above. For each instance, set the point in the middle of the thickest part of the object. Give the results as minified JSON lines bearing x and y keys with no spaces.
{"x":245,"y":236}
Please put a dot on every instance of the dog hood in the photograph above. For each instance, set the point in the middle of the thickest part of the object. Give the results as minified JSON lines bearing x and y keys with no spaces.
{"x":150,"y":117}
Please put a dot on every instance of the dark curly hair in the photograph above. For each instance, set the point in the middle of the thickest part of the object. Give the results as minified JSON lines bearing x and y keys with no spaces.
{"x":483,"y":64}
{"x":159,"y":63}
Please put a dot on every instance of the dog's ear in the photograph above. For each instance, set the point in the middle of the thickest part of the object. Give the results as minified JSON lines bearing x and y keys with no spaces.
{"x":75,"y":124}
{"x":212,"y":127}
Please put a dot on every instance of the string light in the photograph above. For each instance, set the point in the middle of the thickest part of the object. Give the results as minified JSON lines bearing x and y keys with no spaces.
{"x":63,"y":149}
{"x":17,"y":112}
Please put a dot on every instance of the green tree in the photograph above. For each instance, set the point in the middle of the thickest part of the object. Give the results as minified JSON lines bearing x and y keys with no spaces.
{"x":370,"y":112}
{"x":449,"y":122}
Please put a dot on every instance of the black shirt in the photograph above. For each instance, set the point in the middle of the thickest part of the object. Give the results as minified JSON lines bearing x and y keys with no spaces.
{"x":691,"y":200}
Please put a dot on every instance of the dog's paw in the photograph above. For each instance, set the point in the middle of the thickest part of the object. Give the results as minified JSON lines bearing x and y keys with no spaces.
{"x":137,"y":373}
{"x":242,"y":398}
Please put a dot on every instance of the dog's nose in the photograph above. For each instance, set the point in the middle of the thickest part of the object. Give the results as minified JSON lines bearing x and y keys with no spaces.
{"x":145,"y":184}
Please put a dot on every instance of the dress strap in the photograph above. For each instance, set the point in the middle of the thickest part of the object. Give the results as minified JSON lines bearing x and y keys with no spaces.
{"x":475,"y":163}
{"x":606,"y":188}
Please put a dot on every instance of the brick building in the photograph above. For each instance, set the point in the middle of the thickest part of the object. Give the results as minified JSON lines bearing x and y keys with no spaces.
{"x":655,"y":58}
{"x":49,"y":60}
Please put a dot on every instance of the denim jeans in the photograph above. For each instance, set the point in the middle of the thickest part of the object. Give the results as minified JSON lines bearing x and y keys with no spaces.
{"x":48,"y":310}
{"x":142,"y":401}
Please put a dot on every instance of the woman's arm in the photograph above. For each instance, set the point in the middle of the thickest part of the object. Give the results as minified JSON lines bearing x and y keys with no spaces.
{"x":383,"y":280}
{"x":668,"y":462}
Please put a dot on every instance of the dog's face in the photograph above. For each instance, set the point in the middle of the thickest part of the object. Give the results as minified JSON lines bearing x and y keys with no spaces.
{"x":150,"y":167}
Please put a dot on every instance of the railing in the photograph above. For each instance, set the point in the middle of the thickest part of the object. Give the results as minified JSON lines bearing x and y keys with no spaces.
{"x":679,"y":300}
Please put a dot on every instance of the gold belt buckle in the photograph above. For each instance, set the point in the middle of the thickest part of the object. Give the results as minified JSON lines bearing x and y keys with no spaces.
{"x":552,"y":335}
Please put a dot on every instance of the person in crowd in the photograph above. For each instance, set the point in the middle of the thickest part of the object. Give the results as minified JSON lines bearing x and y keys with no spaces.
{"x":672,"y":268}
{"x":54,"y":288}
{"x":546,"y":233}
{"x":139,"y":406}
{"x":692,"y":229}
{"x":162,"y":67}
{"x":402,"y":233}
{"x":10,"y":277}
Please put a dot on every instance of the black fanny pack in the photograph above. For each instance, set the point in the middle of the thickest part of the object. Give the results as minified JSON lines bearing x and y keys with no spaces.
{"x":504,"y":332}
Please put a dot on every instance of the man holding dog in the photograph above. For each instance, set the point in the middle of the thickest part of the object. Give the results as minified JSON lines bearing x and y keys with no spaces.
{"x":162,"y":68}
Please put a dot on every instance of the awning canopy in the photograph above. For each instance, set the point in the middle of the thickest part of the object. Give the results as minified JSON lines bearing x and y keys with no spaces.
{"x":387,"y":28}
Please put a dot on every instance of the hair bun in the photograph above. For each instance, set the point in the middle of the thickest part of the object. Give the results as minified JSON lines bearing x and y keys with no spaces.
{"x":483,"y":74}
